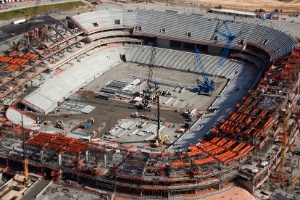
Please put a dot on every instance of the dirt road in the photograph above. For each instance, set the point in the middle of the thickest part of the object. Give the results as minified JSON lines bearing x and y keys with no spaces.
{"x":251,"y":5}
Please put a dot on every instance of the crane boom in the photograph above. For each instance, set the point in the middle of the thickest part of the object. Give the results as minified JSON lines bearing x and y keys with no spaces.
{"x":199,"y":64}
{"x":284,"y":141}
{"x":25,"y":160}
{"x":225,"y":52}
{"x":206,"y":86}
{"x":151,"y":65}
{"x":148,"y":91}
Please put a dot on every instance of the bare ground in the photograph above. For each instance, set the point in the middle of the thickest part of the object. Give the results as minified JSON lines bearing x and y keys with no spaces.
{"x":235,"y":193}
{"x":108,"y":112}
{"x":250,"y":5}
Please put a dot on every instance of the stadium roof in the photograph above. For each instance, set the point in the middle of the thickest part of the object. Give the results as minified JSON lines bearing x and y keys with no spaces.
{"x":235,"y":12}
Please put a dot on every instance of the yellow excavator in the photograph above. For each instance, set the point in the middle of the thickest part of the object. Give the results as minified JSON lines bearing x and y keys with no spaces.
{"x":160,"y":141}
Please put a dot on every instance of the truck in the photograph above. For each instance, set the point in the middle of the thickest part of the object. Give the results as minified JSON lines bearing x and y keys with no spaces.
{"x":189,"y":113}
{"x":19,"y":21}
{"x":87,"y":123}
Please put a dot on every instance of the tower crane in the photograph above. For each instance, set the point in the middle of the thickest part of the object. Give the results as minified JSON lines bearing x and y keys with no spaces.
{"x":284,"y":141}
{"x":149,"y":88}
{"x":207,"y":86}
{"x":25,"y":160}
{"x":225,"y":52}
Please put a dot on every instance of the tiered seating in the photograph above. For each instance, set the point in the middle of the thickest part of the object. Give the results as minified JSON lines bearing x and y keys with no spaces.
{"x":219,"y":149}
{"x":181,"y":60}
{"x":177,"y":25}
{"x":100,"y":35}
{"x":204,"y":161}
{"x":64,"y":84}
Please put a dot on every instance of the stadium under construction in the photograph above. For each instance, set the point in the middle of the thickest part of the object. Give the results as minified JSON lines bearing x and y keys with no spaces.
{"x":237,"y":134}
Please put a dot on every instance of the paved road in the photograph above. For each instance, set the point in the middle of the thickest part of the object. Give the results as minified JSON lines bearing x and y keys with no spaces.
{"x":37,"y":188}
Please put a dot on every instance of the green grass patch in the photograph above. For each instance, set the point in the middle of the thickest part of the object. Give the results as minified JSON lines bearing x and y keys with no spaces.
{"x":27,"y":12}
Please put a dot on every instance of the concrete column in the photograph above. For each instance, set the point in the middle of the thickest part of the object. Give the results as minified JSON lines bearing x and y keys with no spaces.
{"x":59,"y":159}
{"x":86,"y":155}
{"x":42,"y":155}
{"x":78,"y":179}
{"x":104,"y":161}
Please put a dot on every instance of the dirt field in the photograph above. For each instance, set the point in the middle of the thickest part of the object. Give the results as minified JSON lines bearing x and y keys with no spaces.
{"x":235,"y":193}
{"x":251,"y":5}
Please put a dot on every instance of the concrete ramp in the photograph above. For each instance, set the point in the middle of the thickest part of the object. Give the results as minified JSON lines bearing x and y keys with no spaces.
{"x":15,"y":116}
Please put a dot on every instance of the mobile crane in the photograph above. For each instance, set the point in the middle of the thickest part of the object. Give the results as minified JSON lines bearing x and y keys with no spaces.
{"x":159,"y":140}
{"x":204,"y":86}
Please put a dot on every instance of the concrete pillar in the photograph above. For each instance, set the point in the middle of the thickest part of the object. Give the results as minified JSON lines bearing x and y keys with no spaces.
{"x":86,"y":155}
{"x":104,"y":161}
{"x":59,"y":159}
{"x":42,"y":155}
{"x":78,"y":179}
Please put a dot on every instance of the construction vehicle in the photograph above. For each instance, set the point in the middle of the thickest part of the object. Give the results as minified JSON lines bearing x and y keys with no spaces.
{"x":135,"y":115}
{"x":60,"y":124}
{"x":144,"y":105}
{"x":163,"y":140}
{"x":47,"y":122}
{"x":268,"y":15}
{"x":87,"y":123}
{"x":159,"y":140}
{"x":189,"y":113}
{"x":204,"y":86}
